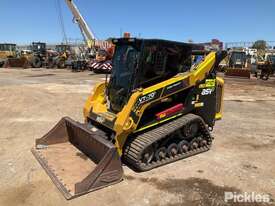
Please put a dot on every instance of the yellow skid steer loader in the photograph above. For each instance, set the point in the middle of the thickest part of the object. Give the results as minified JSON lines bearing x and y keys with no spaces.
{"x":156,"y":108}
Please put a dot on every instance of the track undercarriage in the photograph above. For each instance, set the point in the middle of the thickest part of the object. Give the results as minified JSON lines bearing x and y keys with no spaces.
{"x":178,"y":139}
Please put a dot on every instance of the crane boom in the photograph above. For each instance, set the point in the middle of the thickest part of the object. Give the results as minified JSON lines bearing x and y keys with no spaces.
{"x":83,"y":26}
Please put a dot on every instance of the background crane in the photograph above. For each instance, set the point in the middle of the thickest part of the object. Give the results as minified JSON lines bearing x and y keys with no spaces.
{"x":86,"y":32}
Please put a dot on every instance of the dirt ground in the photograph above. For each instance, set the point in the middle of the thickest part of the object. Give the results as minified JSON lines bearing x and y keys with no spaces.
{"x":242,"y":158}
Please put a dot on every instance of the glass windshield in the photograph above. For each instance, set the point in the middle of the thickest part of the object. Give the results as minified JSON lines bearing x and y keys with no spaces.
{"x":272,"y":58}
{"x":238,"y":57}
{"x":38,"y":47}
{"x":61,"y":48}
{"x":161,"y":60}
{"x":7,"y":47}
{"x":124,"y":62}
{"x":58,"y":49}
{"x":13,"y":48}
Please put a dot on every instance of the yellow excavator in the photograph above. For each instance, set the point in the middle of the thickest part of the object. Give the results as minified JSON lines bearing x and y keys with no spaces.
{"x":156,"y":108}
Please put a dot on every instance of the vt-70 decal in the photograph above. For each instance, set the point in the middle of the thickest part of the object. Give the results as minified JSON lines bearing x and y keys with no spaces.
{"x":147,"y":98}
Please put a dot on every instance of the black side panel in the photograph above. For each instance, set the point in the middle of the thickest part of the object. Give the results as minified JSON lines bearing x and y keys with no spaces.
{"x":201,"y":100}
{"x":208,"y":110}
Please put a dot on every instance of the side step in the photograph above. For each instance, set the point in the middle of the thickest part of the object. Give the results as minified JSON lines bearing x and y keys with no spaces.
{"x":77,"y":159}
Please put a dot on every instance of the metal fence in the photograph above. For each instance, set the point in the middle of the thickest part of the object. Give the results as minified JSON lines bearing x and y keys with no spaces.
{"x":51,"y":45}
{"x":243,"y":44}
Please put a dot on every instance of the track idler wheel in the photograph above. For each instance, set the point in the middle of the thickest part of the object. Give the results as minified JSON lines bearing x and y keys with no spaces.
{"x":190,"y":130}
{"x":194,"y":144}
{"x":161,"y":153}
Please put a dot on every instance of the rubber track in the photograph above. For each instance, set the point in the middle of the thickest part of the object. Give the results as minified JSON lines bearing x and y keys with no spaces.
{"x":134,"y":149}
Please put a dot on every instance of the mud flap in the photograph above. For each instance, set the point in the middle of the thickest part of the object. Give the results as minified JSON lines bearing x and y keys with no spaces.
{"x":242,"y":73}
{"x":77,"y":159}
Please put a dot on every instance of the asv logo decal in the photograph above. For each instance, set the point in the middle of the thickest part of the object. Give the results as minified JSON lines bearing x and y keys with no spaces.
{"x":206,"y":91}
{"x":147,"y":97}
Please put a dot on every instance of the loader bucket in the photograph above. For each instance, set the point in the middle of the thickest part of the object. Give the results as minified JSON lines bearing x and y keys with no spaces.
{"x":242,"y":73}
{"x":17,"y":62}
{"x":77,"y":159}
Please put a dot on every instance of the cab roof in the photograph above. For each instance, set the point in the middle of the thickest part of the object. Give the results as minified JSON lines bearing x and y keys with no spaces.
{"x":161,"y":42}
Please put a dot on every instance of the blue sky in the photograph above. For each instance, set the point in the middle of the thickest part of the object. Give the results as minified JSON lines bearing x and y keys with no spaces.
{"x":24,"y":21}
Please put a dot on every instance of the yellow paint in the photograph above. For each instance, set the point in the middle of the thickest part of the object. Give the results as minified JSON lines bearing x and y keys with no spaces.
{"x":199,"y":104}
{"x":122,"y":131}
{"x":199,"y":73}
{"x":218,"y":115}
{"x":202,"y":86}
{"x":162,"y":115}
{"x":7,"y":54}
{"x":197,"y":97}
{"x":210,"y":82}
{"x":163,"y":84}
{"x":90,"y":43}
{"x":96,"y":101}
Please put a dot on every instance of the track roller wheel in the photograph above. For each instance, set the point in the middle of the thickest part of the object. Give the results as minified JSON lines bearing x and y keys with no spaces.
{"x":202,"y":142}
{"x":183,"y":146}
{"x":148,"y":155}
{"x":172,"y":150}
{"x":194,"y":144}
{"x":161,"y":153}
{"x":199,"y":140}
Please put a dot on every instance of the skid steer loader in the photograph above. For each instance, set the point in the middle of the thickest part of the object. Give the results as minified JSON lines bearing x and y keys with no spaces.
{"x":156,"y":108}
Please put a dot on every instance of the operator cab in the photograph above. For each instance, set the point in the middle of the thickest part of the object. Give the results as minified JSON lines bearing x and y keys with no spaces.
{"x":237,"y":59}
{"x":8,"y":47}
{"x":62,"y":48}
{"x":39,"y":48}
{"x":140,"y":63}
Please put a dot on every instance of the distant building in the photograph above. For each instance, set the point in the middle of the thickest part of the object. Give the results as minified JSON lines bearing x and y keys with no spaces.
{"x":215,"y":44}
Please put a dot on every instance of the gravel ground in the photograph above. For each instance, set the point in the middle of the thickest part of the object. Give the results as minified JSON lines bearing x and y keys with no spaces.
{"x":241,"y":159}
